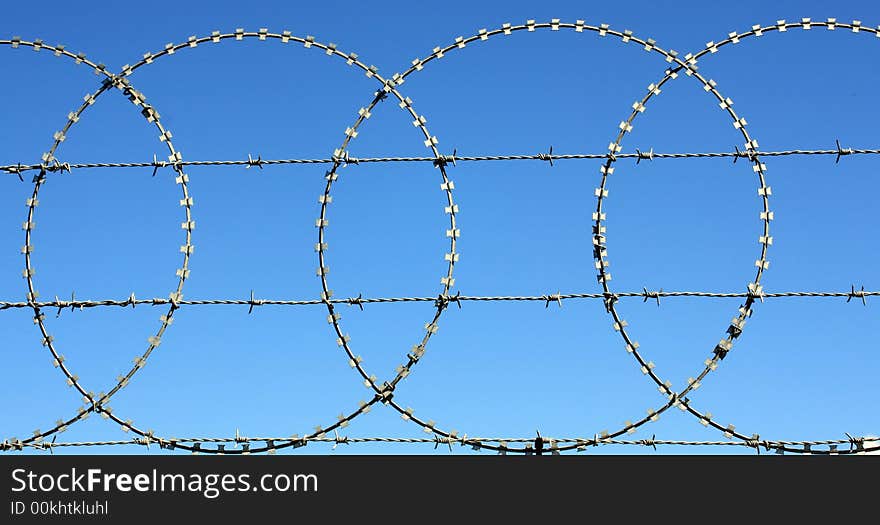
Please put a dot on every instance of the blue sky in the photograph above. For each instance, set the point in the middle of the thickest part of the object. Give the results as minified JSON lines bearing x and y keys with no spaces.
{"x":804,"y":369}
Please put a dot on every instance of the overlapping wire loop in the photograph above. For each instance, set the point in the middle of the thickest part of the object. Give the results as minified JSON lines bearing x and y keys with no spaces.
{"x":383,"y":392}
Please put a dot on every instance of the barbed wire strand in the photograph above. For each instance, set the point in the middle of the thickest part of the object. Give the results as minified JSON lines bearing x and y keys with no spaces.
{"x":548,"y":299}
{"x":858,"y":445}
{"x":259,"y":162}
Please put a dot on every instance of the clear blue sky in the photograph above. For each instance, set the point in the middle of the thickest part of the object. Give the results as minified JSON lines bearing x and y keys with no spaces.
{"x":804,"y":369}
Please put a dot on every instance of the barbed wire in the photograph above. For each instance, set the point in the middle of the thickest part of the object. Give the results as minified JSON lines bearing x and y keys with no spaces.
{"x":556,"y":298}
{"x":258,"y":162}
{"x":537,"y":445}
{"x":384,"y":392}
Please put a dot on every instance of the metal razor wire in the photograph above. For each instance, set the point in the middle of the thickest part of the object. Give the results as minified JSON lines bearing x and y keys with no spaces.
{"x":539,"y":445}
{"x":384,"y":393}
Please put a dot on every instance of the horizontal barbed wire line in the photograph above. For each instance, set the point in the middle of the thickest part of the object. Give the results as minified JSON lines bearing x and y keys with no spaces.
{"x":863,"y":444}
{"x":18,"y":169}
{"x":557,"y":298}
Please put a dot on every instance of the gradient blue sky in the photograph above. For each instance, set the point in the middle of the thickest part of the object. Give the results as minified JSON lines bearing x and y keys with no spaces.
{"x":804,"y":368}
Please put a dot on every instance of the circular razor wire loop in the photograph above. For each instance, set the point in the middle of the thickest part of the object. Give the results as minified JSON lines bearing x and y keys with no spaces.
{"x":340,"y":158}
{"x":138,"y":99}
{"x":460,"y":43}
{"x":95,"y":403}
{"x":385,"y":391}
{"x":675,"y":399}
{"x":600,"y":253}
